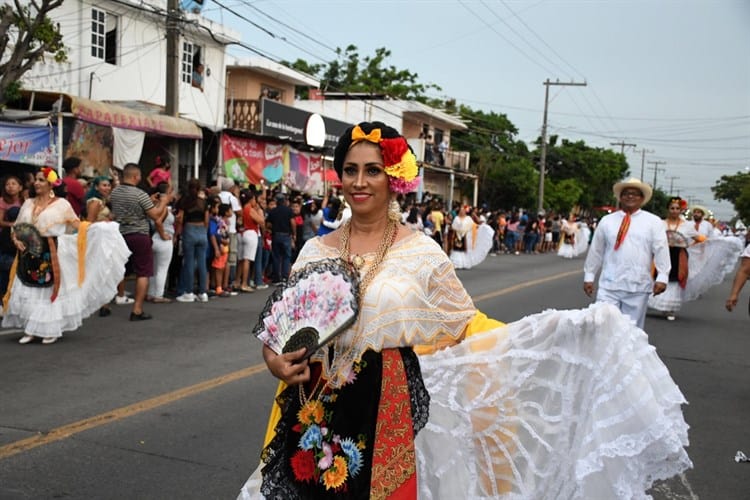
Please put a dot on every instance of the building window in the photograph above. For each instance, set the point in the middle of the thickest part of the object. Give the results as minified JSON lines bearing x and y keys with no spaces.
{"x":192,"y":65}
{"x":104,"y":36}
{"x":268,"y":92}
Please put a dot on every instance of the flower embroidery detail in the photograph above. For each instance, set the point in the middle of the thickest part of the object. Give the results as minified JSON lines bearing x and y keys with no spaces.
{"x":324,"y":457}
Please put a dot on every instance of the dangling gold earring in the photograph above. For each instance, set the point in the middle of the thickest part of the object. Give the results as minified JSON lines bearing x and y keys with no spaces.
{"x":394,"y":211}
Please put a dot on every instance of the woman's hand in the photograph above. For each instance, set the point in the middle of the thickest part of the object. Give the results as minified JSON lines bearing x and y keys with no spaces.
{"x":288,"y":367}
{"x":19,"y":246}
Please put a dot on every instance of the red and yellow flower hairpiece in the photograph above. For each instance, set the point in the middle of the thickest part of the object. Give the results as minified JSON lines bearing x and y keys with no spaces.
{"x":51,"y":176}
{"x":400,"y":163}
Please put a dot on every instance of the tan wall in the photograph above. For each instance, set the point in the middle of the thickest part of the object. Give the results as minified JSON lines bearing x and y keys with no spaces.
{"x":247,"y":84}
{"x":411,"y":129}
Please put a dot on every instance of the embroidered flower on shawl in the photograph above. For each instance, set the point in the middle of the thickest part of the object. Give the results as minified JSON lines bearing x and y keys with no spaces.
{"x":335,"y":477}
{"x":350,"y":449}
{"x":324,"y":456}
{"x":311,"y":413}
{"x":303,"y":466}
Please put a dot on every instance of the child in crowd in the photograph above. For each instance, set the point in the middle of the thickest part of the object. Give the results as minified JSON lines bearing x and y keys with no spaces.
{"x":218,"y":235}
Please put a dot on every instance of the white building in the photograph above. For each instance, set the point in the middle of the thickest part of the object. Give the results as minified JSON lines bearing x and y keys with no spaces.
{"x":115,"y":75}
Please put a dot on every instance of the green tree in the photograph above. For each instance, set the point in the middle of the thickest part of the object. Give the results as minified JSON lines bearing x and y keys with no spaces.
{"x":26,"y":35}
{"x":350,"y":72}
{"x":736,"y":190}
{"x":596,"y":169}
{"x":561,"y":196}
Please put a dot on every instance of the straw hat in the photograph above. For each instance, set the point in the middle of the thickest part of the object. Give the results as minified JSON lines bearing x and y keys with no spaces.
{"x":634,"y":182}
{"x":701,"y":208}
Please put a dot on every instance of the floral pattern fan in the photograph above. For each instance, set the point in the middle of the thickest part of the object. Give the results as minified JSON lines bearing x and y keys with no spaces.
{"x":317,"y":303}
{"x":29,"y":235}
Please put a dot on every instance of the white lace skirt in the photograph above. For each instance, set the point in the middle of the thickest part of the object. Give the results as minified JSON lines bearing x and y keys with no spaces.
{"x":562,"y":404}
{"x":670,"y":300}
{"x":710,"y":262}
{"x":106,"y":254}
{"x":474,"y":254}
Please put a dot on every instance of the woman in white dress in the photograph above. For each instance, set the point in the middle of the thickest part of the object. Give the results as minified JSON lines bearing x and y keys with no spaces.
{"x":59,"y":278}
{"x":680,"y":235}
{"x":575,"y":238}
{"x":471,"y":242}
{"x":425,"y":397}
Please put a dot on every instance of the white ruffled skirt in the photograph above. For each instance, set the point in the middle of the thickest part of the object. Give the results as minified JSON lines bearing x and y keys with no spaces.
{"x":580,"y":246}
{"x":710,"y":262}
{"x":670,"y":300}
{"x":106,"y":254}
{"x":475,"y":253}
{"x":562,"y":404}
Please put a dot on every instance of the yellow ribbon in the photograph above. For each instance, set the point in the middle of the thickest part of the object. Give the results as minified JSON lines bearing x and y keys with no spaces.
{"x":359,"y":135}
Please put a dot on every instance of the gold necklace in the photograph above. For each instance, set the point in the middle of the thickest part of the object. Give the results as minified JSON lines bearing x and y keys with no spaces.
{"x":389,"y":236}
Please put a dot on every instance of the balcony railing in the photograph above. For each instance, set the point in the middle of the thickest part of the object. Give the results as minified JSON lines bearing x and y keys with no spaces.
{"x":457,"y":160}
{"x":243,"y":114}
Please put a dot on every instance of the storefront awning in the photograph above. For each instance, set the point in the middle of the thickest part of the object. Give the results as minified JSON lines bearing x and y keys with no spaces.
{"x":112,"y":115}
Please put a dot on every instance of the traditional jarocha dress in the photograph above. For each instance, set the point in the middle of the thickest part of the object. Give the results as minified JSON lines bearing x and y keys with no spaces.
{"x":575,"y":240}
{"x":425,"y":397}
{"x":89,"y":265}
{"x":471,"y":242}
{"x":711,"y":260}
{"x":679,"y":236}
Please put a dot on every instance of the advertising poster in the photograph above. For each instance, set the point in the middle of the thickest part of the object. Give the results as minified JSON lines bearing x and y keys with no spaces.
{"x":33,"y":145}
{"x":93,"y":145}
{"x":250,"y":160}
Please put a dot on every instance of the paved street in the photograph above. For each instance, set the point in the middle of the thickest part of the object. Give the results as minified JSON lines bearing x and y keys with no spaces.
{"x":176,"y":407}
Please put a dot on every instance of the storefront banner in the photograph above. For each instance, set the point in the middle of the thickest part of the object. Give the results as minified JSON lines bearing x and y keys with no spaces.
{"x":305,"y":172}
{"x":280,"y":120}
{"x":250,"y":160}
{"x":33,"y":145}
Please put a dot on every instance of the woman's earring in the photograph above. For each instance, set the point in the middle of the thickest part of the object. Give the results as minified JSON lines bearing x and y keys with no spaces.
{"x":394,"y":211}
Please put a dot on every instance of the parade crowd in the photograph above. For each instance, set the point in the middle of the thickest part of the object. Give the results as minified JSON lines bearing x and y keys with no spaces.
{"x":222,"y":240}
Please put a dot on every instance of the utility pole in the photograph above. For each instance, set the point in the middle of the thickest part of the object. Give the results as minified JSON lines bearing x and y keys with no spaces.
{"x":671,"y":182}
{"x":643,"y":161}
{"x":656,"y":170}
{"x":622,"y":145}
{"x":172,"y":95}
{"x":543,"y":158}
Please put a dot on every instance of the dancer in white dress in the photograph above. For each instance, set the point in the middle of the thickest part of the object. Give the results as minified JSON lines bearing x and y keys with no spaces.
{"x":575,"y":238}
{"x":424,"y":397}
{"x":69,"y":276}
{"x":471,"y":243}
{"x":712,"y":258}
{"x":680,"y":235}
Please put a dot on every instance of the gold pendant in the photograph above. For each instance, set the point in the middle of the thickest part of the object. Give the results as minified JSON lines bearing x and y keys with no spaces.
{"x":357,"y":262}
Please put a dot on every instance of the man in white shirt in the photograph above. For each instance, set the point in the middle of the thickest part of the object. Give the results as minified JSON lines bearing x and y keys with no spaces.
{"x":703,"y":227}
{"x":624,"y":246}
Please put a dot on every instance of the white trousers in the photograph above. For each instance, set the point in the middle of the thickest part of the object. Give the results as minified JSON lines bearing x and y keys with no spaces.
{"x":633,"y":304}
{"x":162,"y":257}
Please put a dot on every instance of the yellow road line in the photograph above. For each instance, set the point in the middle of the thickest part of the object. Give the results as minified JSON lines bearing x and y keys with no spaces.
{"x":526,"y":284}
{"x":66,"y":431}
{"x":126,"y":411}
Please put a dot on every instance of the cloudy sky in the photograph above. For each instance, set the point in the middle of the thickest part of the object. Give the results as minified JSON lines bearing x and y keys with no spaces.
{"x":671,"y":76}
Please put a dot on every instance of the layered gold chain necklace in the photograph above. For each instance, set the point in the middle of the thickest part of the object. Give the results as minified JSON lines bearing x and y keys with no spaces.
{"x":357,"y":261}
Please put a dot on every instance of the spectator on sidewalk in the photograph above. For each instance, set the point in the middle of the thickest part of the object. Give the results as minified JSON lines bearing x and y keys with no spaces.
{"x":73,"y":187}
{"x":132,"y":208}
{"x":283,"y":232}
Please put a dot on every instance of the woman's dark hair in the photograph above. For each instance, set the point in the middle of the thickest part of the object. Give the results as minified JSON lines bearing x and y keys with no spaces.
{"x":345,"y":141}
{"x":413,"y":216}
{"x":191,"y":201}
{"x":335,"y":205}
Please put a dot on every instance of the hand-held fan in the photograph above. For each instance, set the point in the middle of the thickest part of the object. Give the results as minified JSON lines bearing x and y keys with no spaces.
{"x":29,"y":235}
{"x":317,"y":303}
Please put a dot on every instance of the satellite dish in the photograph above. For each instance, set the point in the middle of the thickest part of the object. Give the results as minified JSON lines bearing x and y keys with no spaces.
{"x":315,"y":131}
